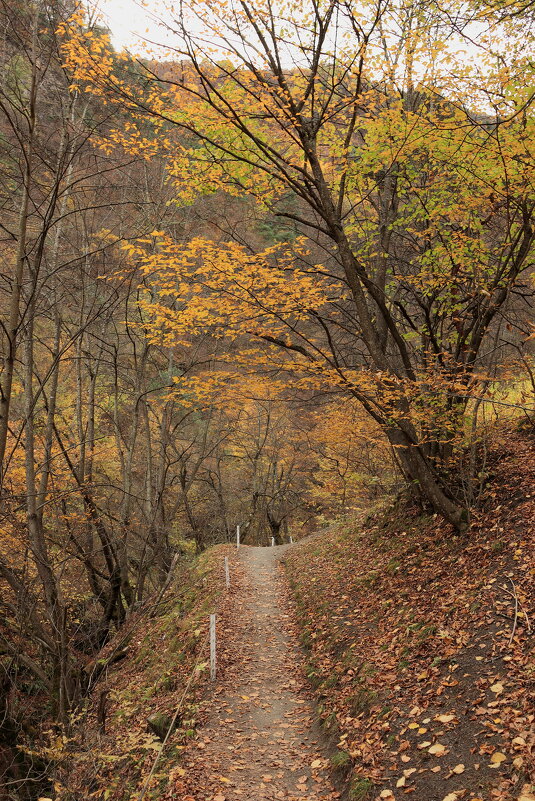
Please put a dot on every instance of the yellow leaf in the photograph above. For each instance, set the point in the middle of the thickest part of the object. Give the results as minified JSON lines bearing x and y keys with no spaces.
{"x":401,"y":782}
{"x":458,"y":769}
{"x":497,"y":688}
{"x":437,"y":749}
{"x":445,"y":718}
{"x":317,"y":763}
{"x":497,"y":758}
{"x":178,"y":772}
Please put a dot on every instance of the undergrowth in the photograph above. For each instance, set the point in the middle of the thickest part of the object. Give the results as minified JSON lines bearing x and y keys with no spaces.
{"x":407,"y":626}
{"x":113,"y":746}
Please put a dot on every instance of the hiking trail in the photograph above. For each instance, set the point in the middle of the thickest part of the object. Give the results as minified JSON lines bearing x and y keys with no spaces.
{"x":260,"y":741}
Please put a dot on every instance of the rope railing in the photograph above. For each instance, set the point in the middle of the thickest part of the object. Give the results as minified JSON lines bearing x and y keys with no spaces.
{"x":173,"y":719}
{"x":209,"y":639}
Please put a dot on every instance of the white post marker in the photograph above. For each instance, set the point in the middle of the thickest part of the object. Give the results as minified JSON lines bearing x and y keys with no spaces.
{"x":237,"y":536}
{"x":227,"y":574}
{"x":291,"y":540}
{"x":212,"y":648}
{"x":272,"y":541}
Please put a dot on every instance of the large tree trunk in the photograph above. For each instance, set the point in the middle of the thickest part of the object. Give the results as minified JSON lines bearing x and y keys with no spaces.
{"x":421,"y":475}
{"x":394,"y":362}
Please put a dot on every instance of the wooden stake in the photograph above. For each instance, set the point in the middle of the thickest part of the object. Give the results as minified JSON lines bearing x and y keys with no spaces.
{"x":212,"y":648}
{"x":227,"y":573}
{"x":272,"y":541}
{"x":237,"y":536}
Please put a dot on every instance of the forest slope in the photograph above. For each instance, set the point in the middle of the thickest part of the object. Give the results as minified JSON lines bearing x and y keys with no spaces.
{"x":420,"y":643}
{"x":117,"y":738}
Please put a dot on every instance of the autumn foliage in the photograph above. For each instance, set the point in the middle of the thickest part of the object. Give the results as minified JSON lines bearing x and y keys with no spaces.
{"x":261,"y":277}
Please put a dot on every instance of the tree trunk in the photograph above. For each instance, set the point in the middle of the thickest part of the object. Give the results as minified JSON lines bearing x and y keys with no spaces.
{"x":419,"y":471}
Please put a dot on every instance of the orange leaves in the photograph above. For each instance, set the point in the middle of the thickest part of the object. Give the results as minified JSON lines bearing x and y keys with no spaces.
{"x":223,"y":287}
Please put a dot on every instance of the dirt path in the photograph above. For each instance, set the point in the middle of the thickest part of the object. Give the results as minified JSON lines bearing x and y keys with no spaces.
{"x":260,"y":741}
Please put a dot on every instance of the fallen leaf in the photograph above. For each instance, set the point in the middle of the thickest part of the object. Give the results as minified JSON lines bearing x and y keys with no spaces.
{"x":401,"y":782}
{"x":458,"y":769}
{"x":445,"y":718}
{"x":437,"y":749}
{"x":317,"y":763}
{"x":497,"y":758}
{"x":526,"y":793}
{"x":497,"y":688}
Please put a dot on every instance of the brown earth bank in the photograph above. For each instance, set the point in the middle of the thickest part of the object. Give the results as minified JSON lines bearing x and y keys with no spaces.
{"x":420,"y":643}
{"x":115,"y":740}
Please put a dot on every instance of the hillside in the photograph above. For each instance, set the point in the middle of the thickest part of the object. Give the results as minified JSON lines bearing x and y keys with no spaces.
{"x":417,"y":648}
{"x":420,"y":643}
{"x":162,"y":668}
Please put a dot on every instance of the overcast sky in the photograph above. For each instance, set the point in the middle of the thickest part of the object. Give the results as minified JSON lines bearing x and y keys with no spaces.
{"x":128,"y":20}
